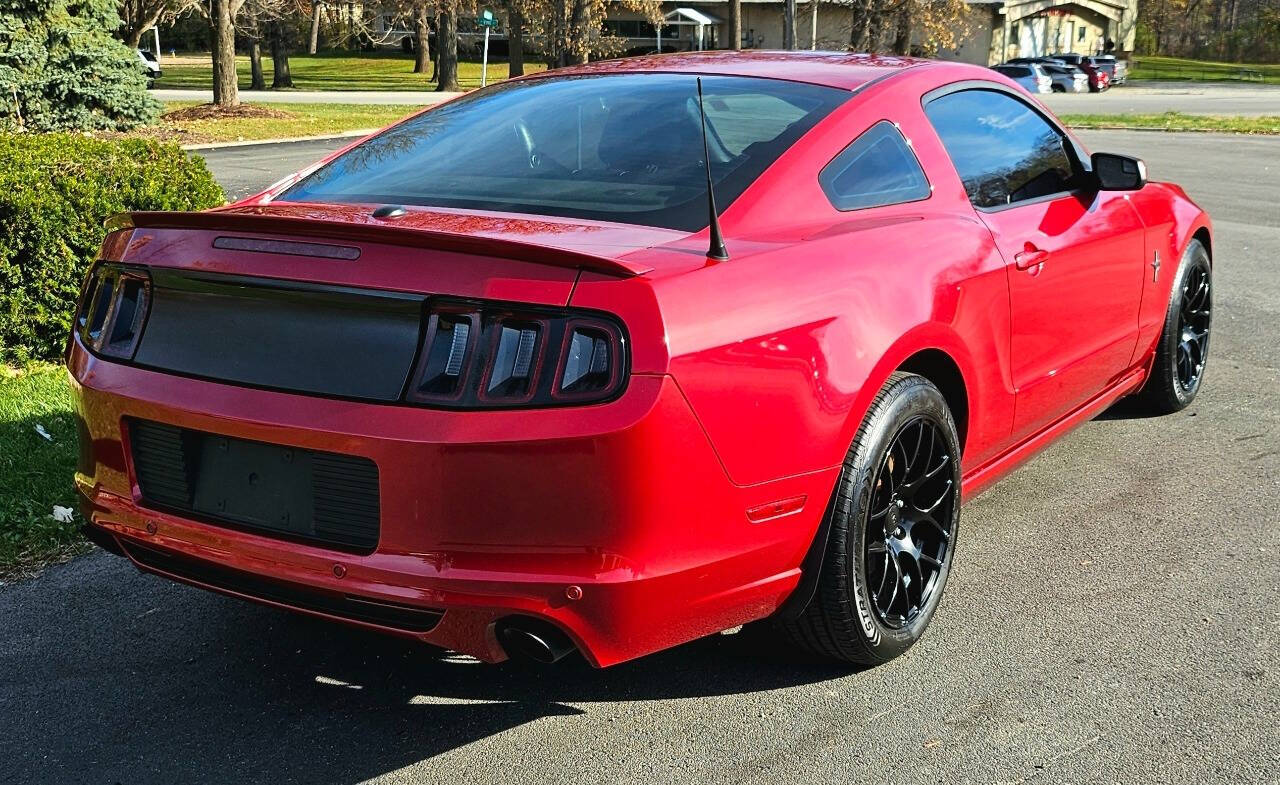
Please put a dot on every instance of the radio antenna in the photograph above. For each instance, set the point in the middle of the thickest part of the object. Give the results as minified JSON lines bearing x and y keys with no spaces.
{"x":716,"y":251}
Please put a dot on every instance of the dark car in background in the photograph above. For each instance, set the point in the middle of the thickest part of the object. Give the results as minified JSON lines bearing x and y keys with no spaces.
{"x":1100,"y":73}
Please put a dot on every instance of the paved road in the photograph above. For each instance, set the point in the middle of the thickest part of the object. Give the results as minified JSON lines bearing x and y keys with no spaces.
{"x":1185,"y":97}
{"x":1114,"y":616}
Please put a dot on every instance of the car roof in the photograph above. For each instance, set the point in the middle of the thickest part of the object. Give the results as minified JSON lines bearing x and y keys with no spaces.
{"x":845,"y":70}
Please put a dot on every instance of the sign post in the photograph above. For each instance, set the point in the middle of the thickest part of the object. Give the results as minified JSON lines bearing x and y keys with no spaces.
{"x":486,"y":20}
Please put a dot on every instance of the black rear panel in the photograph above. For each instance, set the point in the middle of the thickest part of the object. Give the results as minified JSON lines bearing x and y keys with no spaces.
{"x":319,"y":339}
{"x":346,"y":606}
{"x":303,"y":495}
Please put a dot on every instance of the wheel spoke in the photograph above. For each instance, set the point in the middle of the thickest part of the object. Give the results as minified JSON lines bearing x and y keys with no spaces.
{"x":916,"y":452}
{"x":946,"y":491}
{"x":916,"y":485}
{"x":933,"y":523}
{"x":941,"y":464}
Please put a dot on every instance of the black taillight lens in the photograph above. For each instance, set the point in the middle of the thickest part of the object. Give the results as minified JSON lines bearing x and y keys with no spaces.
{"x":113,"y":310}
{"x":484,"y":355}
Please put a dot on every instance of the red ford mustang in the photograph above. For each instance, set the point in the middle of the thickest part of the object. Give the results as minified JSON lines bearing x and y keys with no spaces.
{"x":619,"y":356}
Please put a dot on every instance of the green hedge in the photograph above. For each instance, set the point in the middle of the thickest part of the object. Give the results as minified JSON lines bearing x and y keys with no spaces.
{"x":55,"y":192}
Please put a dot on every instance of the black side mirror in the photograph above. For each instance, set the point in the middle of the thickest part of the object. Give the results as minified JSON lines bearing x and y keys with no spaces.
{"x":1118,"y":172}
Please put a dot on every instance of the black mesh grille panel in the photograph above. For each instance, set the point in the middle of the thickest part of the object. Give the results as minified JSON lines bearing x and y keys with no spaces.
{"x":270,"y":489}
{"x":160,"y":461}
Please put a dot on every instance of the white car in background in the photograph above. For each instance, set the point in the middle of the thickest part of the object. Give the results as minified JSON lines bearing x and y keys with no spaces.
{"x":150,"y":66}
{"x":1030,"y":75}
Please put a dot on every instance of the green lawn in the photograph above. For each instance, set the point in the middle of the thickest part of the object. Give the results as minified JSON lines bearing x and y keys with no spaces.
{"x":298,"y":120}
{"x":1176,"y":121}
{"x":336,"y":71}
{"x":1177,"y":68}
{"x":36,"y":473}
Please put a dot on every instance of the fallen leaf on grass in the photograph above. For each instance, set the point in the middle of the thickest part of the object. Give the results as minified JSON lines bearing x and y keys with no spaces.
{"x":40,"y":430}
{"x":63,"y":514}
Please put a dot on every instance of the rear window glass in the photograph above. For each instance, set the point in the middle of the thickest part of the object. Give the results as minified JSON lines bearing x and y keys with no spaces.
{"x":624,"y":147}
{"x":877,"y":169}
{"x":1014,"y":71}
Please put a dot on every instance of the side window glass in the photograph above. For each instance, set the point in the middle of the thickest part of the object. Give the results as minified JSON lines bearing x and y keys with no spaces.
{"x":878,"y":168}
{"x":1004,"y":151}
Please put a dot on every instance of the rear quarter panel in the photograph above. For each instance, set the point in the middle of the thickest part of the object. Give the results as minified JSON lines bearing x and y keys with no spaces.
{"x":781,"y":349}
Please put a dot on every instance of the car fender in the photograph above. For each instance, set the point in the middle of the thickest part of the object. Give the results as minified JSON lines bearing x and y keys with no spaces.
{"x":923,"y":338}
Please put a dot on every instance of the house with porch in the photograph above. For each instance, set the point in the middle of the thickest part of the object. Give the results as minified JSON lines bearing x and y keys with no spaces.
{"x":997,"y":29}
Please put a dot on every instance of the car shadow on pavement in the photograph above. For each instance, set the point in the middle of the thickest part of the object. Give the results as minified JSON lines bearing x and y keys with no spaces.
{"x":133,"y":679}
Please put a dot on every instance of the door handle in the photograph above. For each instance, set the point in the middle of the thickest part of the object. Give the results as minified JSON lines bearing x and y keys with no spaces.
{"x":1031,"y":258}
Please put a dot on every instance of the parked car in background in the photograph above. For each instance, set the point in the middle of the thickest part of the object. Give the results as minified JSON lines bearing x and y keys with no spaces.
{"x":1099,"y":77}
{"x":1116,"y":68}
{"x":1067,"y":78}
{"x":1031,"y":76}
{"x":150,"y":66}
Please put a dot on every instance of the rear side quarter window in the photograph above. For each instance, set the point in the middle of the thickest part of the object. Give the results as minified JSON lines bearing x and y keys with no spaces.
{"x":876,"y":169}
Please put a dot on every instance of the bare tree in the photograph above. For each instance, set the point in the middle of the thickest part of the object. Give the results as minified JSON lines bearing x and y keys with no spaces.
{"x":316,"y":9}
{"x":735,"y":24}
{"x":901,"y":25}
{"x":515,"y":39}
{"x":222,"y":16}
{"x":422,"y":36}
{"x":278,"y":33}
{"x":253,"y":33}
{"x":447,"y":50}
{"x":139,"y":16}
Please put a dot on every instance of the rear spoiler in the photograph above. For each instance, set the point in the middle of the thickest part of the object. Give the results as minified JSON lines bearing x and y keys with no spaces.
{"x":310,"y":228}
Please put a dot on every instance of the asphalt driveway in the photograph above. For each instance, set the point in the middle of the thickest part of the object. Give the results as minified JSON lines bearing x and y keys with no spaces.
{"x":1113,"y":616}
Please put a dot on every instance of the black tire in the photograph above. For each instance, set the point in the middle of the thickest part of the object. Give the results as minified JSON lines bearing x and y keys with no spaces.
{"x":844,"y":620}
{"x":1177,"y":372}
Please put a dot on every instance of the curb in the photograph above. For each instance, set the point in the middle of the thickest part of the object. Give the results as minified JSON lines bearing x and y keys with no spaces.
{"x":1149,"y":129}
{"x":252,"y":142}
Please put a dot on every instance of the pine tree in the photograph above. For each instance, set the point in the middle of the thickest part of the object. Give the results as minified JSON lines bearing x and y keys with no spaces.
{"x":61,"y":68}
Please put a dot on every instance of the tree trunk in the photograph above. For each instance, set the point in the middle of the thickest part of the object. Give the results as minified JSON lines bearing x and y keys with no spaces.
{"x":556,"y":46}
{"x":422,"y":32}
{"x":256,"y":82}
{"x":316,"y":7}
{"x":789,"y":25}
{"x":735,"y":24}
{"x":280,"y":75}
{"x":902,"y":38}
{"x":226,"y":93}
{"x":579,"y":36}
{"x":447,"y":47}
{"x":515,"y":43}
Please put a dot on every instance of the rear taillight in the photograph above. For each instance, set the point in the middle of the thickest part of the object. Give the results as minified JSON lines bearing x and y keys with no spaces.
{"x":483,"y":355}
{"x":113,"y":309}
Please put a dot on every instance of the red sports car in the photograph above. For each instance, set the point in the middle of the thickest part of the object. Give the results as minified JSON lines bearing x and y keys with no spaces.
{"x":622,"y":355}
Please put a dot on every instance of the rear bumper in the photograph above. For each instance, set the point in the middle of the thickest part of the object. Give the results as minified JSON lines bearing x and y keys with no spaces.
{"x":484,"y":515}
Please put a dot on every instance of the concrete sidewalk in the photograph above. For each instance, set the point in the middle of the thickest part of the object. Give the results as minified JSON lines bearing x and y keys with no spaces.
{"x":411,"y":97}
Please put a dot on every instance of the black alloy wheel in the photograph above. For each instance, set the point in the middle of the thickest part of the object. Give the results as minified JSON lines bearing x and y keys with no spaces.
{"x":907,"y":545}
{"x":1177,"y":370}
{"x":888,"y":539}
{"x":1193,"y":327}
